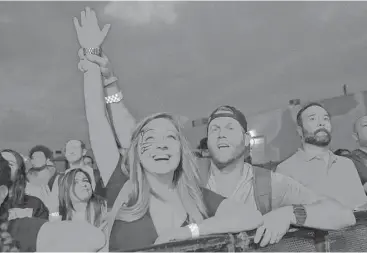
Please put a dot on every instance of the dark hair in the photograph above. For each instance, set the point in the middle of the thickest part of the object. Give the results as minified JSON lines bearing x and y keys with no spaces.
{"x":96,"y":205}
{"x":248,"y":159}
{"x":203,"y":145}
{"x":304,"y":108}
{"x":88,"y":156}
{"x":342,"y":152}
{"x":40,"y":148}
{"x":82,"y":144}
{"x":20,"y":181}
{"x":7,"y":243}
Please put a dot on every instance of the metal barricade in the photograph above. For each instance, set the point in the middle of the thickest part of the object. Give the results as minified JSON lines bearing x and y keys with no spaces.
{"x":297,"y":240}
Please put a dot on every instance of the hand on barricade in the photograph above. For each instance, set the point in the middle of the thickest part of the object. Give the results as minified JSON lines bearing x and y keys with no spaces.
{"x":276,"y":224}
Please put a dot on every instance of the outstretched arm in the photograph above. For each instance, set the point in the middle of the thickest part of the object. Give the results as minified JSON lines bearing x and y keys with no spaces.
{"x":100,"y":133}
{"x":120,"y":117}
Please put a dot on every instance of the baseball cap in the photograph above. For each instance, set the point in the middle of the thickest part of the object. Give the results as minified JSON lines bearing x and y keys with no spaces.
{"x":231,"y":112}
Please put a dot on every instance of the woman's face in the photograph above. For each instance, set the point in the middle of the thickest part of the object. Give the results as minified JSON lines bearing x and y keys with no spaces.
{"x":159,"y":147}
{"x":12,"y":163}
{"x":81,"y":191}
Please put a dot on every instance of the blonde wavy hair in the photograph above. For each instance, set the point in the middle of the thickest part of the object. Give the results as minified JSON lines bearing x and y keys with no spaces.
{"x":185,"y":178}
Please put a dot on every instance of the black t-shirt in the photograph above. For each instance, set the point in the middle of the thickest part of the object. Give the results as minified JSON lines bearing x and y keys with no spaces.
{"x":115,"y":184}
{"x":25,"y":232}
{"x":141,"y":233}
{"x":39,"y":208}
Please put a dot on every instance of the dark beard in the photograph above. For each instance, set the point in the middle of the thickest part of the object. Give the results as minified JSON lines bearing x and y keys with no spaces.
{"x":316,"y":141}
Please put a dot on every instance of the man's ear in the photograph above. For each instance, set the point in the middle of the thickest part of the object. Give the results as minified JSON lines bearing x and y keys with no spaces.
{"x":84,"y":152}
{"x":300,"y":131}
{"x":355,"y":136}
{"x":247,"y":138}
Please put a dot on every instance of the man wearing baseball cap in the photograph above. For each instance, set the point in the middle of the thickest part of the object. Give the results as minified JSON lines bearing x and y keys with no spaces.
{"x":282,"y":200}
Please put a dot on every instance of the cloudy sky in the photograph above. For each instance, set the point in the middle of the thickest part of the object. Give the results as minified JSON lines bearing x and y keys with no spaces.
{"x":182,"y":57}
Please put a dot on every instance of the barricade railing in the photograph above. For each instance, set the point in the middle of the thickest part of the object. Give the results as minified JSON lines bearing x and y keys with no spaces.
{"x":297,"y":239}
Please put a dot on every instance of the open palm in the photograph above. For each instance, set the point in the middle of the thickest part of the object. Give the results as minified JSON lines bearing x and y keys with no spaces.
{"x":88,"y":31}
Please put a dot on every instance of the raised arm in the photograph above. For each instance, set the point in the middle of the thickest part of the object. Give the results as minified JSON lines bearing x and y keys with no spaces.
{"x":120,"y":117}
{"x":100,"y":133}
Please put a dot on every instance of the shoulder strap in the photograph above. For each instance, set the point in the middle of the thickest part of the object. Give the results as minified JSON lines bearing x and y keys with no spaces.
{"x":262,"y":189}
{"x":204,"y":170}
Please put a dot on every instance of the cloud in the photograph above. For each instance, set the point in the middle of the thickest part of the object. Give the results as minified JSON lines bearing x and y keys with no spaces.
{"x":142,"y":13}
{"x":5,"y":20}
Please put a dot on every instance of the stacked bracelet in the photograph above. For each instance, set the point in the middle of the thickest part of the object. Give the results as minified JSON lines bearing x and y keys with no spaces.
{"x":115,"y":98}
{"x":94,"y":50}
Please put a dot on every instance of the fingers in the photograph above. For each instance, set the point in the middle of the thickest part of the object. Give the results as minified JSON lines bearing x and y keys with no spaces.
{"x":266,"y":239}
{"x":274,"y":238}
{"x":259,"y":233}
{"x":81,"y":54}
{"x":83,"y":18}
{"x":76,"y":24}
{"x":87,"y":12}
{"x":96,"y":59}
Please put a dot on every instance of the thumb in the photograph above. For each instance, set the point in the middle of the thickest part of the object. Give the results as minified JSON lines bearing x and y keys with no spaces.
{"x":96,"y":59}
{"x":105,"y":30}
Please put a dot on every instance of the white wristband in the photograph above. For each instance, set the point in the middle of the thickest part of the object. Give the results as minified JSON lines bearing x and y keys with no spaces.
{"x":115,"y":98}
{"x":194,"y":228}
{"x":55,"y":214}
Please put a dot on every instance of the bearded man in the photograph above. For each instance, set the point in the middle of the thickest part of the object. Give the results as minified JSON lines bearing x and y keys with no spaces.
{"x":316,"y":167}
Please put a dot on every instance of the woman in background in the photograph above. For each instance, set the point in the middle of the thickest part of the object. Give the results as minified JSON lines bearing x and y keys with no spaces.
{"x":19,"y":202}
{"x":78,"y":201}
{"x":32,"y":234}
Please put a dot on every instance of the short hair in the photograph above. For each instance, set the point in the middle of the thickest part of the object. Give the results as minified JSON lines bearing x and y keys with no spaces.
{"x":41,"y":148}
{"x":88,"y":156}
{"x":342,"y":152}
{"x":304,"y":108}
{"x":355,"y":130}
{"x":82,"y":144}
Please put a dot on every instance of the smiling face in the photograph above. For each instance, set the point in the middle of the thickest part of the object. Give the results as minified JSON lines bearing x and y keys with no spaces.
{"x":82,"y":188}
{"x":227,"y":141}
{"x":74,"y":151}
{"x":159,"y":147}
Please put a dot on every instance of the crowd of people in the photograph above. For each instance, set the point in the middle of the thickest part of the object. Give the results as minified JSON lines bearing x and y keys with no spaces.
{"x":146,"y":186}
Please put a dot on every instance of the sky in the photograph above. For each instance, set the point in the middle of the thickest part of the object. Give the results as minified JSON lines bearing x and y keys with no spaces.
{"x":182,"y":57}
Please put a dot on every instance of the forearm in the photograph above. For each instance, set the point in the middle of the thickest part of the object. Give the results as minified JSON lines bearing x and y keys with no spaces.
{"x":237,"y":221}
{"x":121,"y":119}
{"x":100,"y":133}
{"x":328,"y":214}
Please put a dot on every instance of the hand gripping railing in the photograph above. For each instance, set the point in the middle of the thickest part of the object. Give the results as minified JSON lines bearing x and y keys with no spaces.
{"x":305,"y":240}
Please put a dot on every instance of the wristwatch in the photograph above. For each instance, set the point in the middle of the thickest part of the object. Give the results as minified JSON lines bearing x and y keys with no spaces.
{"x":94,"y":50}
{"x":300,"y":214}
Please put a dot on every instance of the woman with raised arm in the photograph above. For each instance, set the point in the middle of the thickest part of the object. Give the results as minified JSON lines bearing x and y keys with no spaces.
{"x":107,"y":152}
{"x":163,"y":201}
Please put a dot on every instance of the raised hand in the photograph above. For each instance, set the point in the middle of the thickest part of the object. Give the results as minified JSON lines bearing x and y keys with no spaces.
{"x":102,"y":61}
{"x":88,"y":31}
